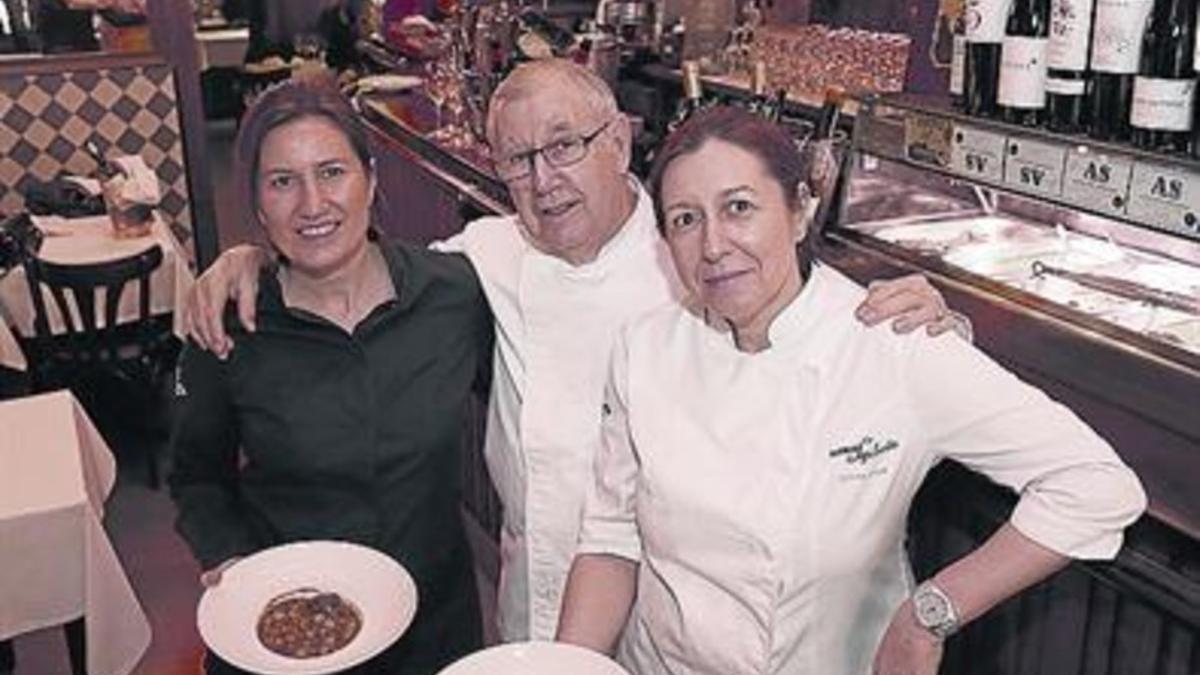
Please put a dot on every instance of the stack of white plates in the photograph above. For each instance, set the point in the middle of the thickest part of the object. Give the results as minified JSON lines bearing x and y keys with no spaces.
{"x":535,"y":658}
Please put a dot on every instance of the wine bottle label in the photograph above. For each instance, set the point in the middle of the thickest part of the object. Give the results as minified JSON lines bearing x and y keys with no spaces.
{"x":1117,"y":42}
{"x":1070,"y":25}
{"x":1061,"y":87}
{"x":958,"y":64}
{"x":985,"y":19}
{"x":1162,"y":104}
{"x":1023,"y":72}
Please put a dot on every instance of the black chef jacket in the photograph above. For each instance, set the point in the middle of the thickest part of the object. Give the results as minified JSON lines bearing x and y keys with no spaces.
{"x":353,"y":437}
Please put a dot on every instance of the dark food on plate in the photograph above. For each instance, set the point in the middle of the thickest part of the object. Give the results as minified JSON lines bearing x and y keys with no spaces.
{"x":306,"y":623}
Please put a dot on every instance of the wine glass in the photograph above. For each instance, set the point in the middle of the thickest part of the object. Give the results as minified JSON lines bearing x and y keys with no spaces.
{"x":436,"y":91}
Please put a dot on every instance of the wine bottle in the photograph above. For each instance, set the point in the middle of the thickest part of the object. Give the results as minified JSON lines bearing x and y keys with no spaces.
{"x":958,"y":62}
{"x":1067,"y":64}
{"x":827,"y":180}
{"x":1116,"y":47}
{"x":1196,"y":111}
{"x":831,"y":112}
{"x":758,"y":87}
{"x":772,"y":111}
{"x":984,"y":21}
{"x":1022,"y":90}
{"x":693,"y":95}
{"x":1164,"y":90}
{"x":105,"y":169}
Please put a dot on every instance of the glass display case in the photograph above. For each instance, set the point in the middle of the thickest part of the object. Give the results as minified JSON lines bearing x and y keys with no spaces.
{"x":1079,"y":265}
{"x":1103,"y":237}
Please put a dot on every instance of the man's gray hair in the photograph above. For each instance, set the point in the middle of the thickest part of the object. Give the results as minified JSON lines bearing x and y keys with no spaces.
{"x":567,"y":78}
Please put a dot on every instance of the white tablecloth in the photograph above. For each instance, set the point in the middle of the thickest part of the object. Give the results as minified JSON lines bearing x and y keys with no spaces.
{"x":58,"y":564}
{"x":88,"y":240}
{"x":222,"y":47}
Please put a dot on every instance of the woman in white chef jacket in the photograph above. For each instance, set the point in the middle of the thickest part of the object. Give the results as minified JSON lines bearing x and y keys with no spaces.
{"x":761,"y":449}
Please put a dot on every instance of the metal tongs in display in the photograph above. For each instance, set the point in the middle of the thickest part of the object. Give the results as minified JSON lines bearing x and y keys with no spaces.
{"x":1123,"y":288}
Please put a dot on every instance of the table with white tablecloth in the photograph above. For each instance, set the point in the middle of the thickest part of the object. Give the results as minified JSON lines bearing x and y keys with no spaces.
{"x":91,"y":240}
{"x":58,"y":563}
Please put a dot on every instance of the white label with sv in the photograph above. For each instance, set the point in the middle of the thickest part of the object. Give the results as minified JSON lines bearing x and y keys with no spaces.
{"x":977,"y":153}
{"x":1023,"y":73}
{"x":958,"y":64}
{"x":1117,"y":42}
{"x":1162,"y":104}
{"x":1070,"y":25}
{"x":985,"y":19}
{"x":1035,"y":166}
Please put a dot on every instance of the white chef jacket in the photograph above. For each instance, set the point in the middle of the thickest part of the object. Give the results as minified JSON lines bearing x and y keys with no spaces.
{"x":555,"y":325}
{"x":765,"y":495}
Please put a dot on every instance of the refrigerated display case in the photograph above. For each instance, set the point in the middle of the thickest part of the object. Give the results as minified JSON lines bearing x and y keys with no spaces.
{"x":1079,"y":264}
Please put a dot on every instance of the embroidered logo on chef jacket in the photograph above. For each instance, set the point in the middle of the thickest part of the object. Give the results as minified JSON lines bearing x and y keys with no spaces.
{"x":864,"y":458}
{"x":180,"y":390}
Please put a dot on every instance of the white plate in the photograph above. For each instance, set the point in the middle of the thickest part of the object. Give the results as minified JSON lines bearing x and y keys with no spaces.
{"x":535,"y":658}
{"x":377,"y":585}
{"x":387,"y":83}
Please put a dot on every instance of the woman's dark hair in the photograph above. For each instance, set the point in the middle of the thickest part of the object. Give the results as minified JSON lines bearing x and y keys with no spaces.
{"x":767,"y":141}
{"x":307,"y":95}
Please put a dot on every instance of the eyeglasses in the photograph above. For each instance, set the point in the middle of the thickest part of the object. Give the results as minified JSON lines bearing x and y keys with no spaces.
{"x":561,"y":153}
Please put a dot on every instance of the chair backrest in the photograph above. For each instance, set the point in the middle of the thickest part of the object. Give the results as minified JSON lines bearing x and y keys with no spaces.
{"x":87,"y":339}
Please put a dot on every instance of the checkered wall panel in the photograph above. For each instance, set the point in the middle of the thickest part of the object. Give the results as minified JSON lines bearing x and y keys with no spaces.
{"x":45,"y":120}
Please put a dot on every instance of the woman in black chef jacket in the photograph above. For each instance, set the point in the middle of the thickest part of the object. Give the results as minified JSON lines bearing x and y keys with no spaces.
{"x":338,"y":415}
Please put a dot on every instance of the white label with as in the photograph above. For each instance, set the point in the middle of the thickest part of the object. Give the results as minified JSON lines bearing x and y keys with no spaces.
{"x":985,"y":19}
{"x":1097,"y":181}
{"x":1165,"y":197}
{"x":977,"y":153}
{"x":1070,"y":26}
{"x":1035,"y":166}
{"x":1162,"y":104}
{"x":1117,"y":42}
{"x":1023,"y":73}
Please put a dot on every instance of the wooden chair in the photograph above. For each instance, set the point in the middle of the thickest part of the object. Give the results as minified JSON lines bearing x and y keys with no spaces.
{"x":92,"y":347}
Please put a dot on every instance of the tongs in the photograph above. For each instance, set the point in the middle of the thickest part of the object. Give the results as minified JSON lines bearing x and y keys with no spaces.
{"x":1123,"y":288}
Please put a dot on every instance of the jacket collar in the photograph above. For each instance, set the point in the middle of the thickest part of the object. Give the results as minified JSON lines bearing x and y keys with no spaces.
{"x":270,"y":297}
{"x":637,"y":234}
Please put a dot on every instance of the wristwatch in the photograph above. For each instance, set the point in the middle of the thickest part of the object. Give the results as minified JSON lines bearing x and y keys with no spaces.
{"x":934,"y":610}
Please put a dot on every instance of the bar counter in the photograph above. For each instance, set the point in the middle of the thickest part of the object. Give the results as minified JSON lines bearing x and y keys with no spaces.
{"x":1138,"y":614}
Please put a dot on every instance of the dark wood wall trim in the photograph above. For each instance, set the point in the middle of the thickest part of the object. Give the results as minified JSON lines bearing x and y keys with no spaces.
{"x":174,"y":36}
{"x":37,"y":64}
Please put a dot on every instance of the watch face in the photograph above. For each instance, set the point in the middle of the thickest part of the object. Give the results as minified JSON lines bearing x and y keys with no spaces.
{"x":931,"y":609}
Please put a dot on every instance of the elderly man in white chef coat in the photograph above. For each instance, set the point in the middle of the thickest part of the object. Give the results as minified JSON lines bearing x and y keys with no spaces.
{"x":580,"y":257}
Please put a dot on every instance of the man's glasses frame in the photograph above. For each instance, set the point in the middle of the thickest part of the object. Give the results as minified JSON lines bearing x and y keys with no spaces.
{"x":561,"y":153}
